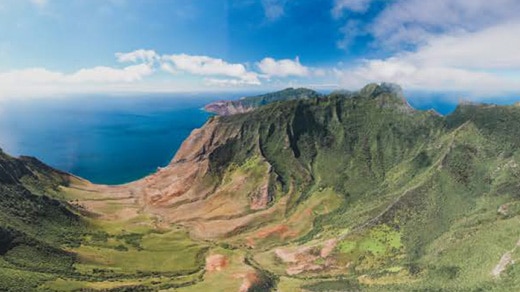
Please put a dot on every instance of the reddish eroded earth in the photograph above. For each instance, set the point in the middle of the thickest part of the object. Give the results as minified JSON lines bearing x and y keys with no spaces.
{"x":281,"y":231}
{"x":261,"y":198}
{"x":328,"y":247}
{"x":249,"y":279}
{"x":308,"y":258}
{"x":216,"y":262}
{"x":185,"y":192}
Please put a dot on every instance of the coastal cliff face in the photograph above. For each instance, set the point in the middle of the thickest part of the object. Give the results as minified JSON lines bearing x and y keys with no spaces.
{"x":353,"y":190}
{"x":235,"y":166}
{"x":226,"y":108}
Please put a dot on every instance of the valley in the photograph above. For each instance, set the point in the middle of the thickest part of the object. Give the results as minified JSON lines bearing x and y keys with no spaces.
{"x":350,"y":191}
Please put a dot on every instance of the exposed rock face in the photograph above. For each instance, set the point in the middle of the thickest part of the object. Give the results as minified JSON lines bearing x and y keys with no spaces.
{"x":184,"y":176}
{"x":226,"y":108}
{"x":191,"y":190}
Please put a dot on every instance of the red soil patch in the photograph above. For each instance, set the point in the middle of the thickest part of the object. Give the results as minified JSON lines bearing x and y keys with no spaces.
{"x":250,"y":279}
{"x":304,"y":259}
{"x":278,"y":230}
{"x":216,"y":262}
{"x":281,"y":231}
{"x":328,"y":247}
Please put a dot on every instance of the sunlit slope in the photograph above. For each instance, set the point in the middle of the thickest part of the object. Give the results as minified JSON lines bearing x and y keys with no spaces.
{"x":345,"y":192}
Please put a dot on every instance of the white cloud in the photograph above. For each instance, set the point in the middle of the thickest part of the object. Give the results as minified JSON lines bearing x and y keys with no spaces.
{"x":228,"y":82}
{"x":413,"y":21}
{"x":167,"y":67}
{"x":31,"y":76}
{"x":111,"y":75}
{"x":483,"y":61}
{"x":40,"y":81}
{"x":137,"y":56}
{"x":319,"y":72}
{"x":144,"y":63}
{"x":90,"y":75}
{"x":408,"y":23}
{"x":492,"y":48}
{"x":207,"y":66}
{"x":274,"y":9}
{"x":358,"y":6}
{"x":350,"y":31}
{"x":282,"y":68}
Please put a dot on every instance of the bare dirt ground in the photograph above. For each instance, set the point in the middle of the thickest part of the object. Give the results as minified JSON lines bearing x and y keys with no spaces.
{"x":505,"y":260}
{"x":216,"y":262}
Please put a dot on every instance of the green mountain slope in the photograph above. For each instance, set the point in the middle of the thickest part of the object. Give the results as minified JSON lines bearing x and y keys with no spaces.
{"x":353,"y":191}
{"x":418,"y":190}
{"x":33,"y":223}
{"x":247,"y":104}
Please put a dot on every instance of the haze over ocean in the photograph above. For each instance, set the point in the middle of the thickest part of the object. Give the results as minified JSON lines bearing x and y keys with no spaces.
{"x":107,"y":139}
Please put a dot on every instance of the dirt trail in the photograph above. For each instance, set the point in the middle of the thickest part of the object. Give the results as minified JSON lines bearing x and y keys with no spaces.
{"x":505,"y":260}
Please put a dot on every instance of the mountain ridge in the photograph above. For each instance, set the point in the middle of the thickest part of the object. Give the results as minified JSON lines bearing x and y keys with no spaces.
{"x":246,"y":104}
{"x":348,"y":191}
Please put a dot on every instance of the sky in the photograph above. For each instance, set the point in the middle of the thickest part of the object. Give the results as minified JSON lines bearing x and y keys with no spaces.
{"x":67,"y":47}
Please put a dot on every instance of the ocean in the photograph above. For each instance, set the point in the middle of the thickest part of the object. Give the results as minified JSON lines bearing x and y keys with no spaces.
{"x":110,"y":139}
{"x":105,"y":139}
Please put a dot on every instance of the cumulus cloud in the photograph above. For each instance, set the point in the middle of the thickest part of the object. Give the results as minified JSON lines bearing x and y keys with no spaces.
{"x":141,"y":55}
{"x":408,"y":23}
{"x":96,"y":75}
{"x":415,"y":21}
{"x":350,"y":31}
{"x":208,"y":66}
{"x":143,"y":63}
{"x":111,"y":75}
{"x":282,"y":68}
{"x":358,"y":6}
{"x":40,"y":81}
{"x":483,"y":61}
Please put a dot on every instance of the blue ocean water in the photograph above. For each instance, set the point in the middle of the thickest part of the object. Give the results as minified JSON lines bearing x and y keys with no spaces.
{"x":109,"y":140}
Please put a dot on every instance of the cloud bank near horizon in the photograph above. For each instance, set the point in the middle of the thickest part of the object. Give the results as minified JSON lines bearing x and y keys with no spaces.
{"x":446,"y":45}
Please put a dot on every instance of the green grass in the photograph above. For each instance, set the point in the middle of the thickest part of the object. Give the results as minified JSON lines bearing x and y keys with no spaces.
{"x":172,"y":252}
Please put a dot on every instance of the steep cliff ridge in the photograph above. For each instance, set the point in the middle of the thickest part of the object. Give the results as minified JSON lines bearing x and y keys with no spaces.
{"x":243,"y":171}
{"x":351,"y":190}
{"x":247,"y":104}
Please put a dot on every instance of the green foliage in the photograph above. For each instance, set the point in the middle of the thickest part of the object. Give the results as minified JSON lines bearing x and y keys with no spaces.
{"x":427,"y":203}
{"x":278,"y":96}
{"x":337,"y":285}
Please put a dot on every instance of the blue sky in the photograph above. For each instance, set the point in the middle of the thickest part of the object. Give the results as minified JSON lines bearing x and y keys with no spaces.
{"x":63,"y":47}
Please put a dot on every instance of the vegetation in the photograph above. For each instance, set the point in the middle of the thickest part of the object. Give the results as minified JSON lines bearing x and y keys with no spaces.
{"x":374,"y":196}
{"x":249,"y":103}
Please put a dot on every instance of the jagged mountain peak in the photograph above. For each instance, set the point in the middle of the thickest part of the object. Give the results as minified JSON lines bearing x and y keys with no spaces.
{"x":376,"y":89}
